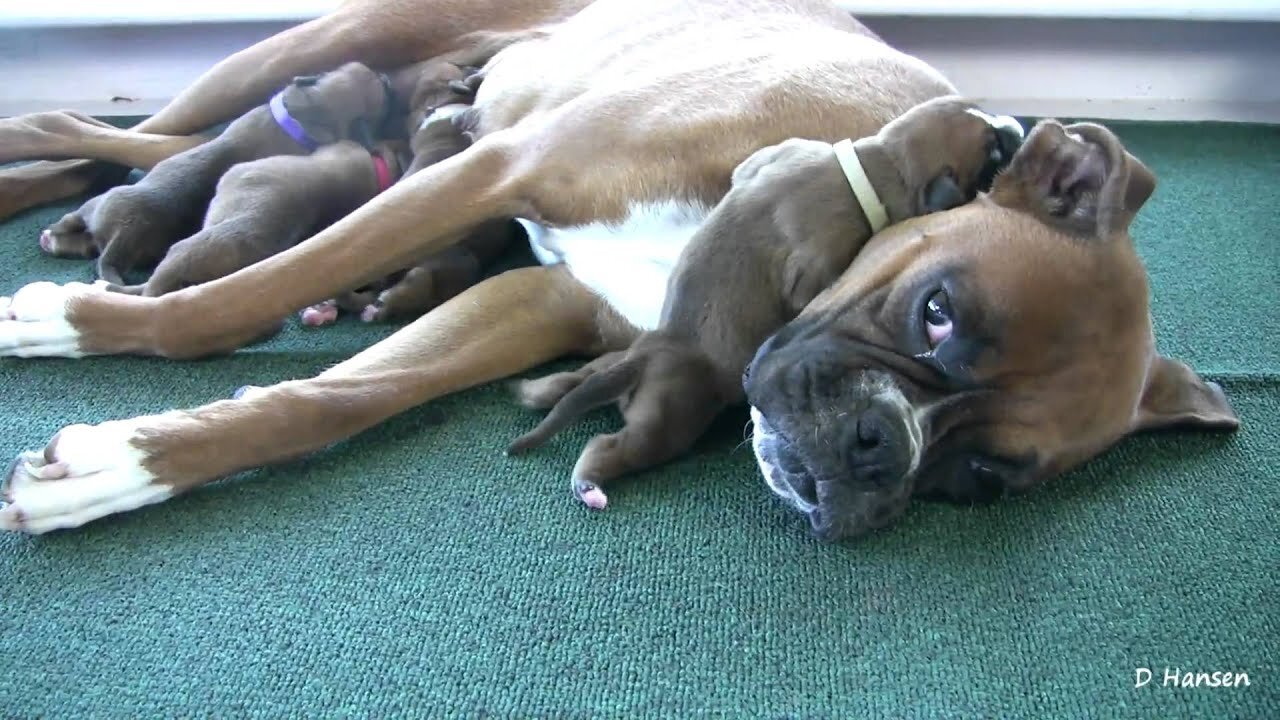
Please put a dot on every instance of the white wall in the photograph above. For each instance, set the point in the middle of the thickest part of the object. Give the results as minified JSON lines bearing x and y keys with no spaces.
{"x":94,"y":56}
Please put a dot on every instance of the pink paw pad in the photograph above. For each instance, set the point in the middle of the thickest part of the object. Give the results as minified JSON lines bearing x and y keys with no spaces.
{"x":46,"y":241}
{"x":322,"y":314}
{"x":590,"y":494}
{"x":370,"y":313}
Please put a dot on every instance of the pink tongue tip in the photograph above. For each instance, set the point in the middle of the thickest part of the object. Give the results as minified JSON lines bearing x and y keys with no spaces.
{"x":595,"y":499}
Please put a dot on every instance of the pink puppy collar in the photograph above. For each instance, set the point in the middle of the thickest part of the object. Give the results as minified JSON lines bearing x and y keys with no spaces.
{"x":382,"y":171}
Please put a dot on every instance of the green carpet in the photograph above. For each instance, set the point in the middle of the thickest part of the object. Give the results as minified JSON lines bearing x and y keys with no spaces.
{"x":415,"y":570}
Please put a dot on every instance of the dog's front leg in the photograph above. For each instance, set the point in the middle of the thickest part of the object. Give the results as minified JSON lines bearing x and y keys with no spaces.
{"x":500,"y":327}
{"x":63,"y":134}
{"x":419,"y":216}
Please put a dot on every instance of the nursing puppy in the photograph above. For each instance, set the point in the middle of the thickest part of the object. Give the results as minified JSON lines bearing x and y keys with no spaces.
{"x":796,"y":215}
{"x":440,"y":276}
{"x":267,"y":206}
{"x":423,"y":87}
{"x":133,"y":226}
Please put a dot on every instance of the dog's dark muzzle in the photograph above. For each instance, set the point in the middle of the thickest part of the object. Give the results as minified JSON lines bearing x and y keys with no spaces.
{"x":829,"y":431}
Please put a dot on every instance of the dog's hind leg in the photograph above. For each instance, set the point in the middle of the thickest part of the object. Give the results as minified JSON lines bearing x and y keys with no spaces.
{"x":502,"y":326}
{"x":380,"y":33}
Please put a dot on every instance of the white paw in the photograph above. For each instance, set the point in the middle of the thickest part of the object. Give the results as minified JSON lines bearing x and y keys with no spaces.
{"x":91,"y":471}
{"x":33,"y":323}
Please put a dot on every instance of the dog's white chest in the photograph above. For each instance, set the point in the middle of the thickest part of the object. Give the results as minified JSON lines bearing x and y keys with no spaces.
{"x":627,"y":263}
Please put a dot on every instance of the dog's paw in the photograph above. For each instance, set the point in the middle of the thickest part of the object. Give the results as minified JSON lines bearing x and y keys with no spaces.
{"x":325,"y":313}
{"x":67,"y":244}
{"x":33,"y":323}
{"x":543,"y":393}
{"x":374,"y":312}
{"x":85,"y":473}
{"x":247,"y":392}
{"x":590,"y":494}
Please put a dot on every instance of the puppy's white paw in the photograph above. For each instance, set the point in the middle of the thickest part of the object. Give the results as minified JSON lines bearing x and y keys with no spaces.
{"x":87,"y":472}
{"x":33,"y":323}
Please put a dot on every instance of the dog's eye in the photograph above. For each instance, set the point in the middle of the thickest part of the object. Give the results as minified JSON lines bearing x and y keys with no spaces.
{"x":937,"y":318}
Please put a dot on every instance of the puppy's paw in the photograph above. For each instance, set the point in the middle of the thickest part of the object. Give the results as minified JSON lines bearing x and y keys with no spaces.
{"x":67,"y":244}
{"x":373,"y":312}
{"x":590,"y":494}
{"x":325,"y":313}
{"x":544,"y":392}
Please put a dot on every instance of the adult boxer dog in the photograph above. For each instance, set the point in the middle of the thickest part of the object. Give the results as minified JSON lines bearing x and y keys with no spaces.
{"x":1016,"y":327}
{"x":267,"y":206}
{"x":793,"y":220}
{"x":134,"y":225}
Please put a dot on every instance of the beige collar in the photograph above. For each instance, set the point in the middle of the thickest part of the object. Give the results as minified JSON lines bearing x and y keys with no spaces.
{"x":863,"y":190}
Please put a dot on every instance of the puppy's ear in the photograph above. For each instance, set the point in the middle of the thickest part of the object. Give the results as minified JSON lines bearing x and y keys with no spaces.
{"x":311,"y":113}
{"x":942,"y":193}
{"x":1078,"y":177}
{"x":1175,"y":396}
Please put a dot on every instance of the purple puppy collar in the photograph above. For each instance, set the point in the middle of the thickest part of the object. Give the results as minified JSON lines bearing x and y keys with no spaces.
{"x":289,"y":125}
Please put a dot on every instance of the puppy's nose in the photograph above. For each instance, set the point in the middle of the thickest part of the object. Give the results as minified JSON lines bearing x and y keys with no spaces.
{"x":876,"y":447}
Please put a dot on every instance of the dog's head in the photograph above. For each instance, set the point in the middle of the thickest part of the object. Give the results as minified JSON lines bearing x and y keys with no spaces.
{"x":349,"y":103}
{"x":975,"y":351}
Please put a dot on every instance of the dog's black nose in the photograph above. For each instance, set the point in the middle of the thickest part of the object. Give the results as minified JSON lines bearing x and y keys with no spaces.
{"x":877,"y":449}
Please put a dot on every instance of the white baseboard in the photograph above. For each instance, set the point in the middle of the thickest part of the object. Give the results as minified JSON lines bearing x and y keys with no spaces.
{"x":1146,"y":69}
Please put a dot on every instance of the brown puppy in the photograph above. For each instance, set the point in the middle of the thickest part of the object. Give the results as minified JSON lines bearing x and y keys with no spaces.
{"x":267,"y":206}
{"x":411,"y":292}
{"x":730,"y":291}
{"x":423,"y":87}
{"x":134,"y":225}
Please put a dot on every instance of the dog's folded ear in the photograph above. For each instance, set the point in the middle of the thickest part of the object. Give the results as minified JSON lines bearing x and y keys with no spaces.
{"x":1175,"y":396}
{"x":1078,"y":177}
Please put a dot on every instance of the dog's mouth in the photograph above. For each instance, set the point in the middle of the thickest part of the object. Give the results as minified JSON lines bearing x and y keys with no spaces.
{"x":783,"y":471}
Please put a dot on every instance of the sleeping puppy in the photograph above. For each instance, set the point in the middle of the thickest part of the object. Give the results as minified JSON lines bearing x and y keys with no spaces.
{"x":267,"y":206}
{"x":133,"y":226}
{"x":796,"y":215}
{"x":440,"y":276}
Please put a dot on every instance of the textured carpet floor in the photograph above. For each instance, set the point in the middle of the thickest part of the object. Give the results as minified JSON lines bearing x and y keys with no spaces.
{"x":415,"y":570}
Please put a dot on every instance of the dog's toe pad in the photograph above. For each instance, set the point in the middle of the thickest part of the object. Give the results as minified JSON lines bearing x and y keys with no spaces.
{"x":590,"y":494}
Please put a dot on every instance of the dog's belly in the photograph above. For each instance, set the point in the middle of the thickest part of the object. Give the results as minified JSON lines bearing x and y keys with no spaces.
{"x":626,"y":263}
